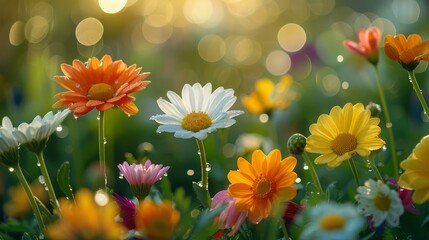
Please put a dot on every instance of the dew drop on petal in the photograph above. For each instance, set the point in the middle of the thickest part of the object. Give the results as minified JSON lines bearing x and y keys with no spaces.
{"x":208,"y":167}
{"x":165,"y":174}
{"x":121,"y":176}
{"x":77,"y":85}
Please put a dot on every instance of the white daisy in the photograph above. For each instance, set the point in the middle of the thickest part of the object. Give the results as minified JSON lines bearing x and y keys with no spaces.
{"x":332,"y":221}
{"x":199,"y":111}
{"x":37,"y":133}
{"x":8,"y":144}
{"x":377,"y":200}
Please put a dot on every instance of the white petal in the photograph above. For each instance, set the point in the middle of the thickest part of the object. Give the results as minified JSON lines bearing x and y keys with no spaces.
{"x":184,"y":134}
{"x":169,"y":128}
{"x":166,"y":119}
{"x":178,"y":102}
{"x":168,"y":108}
{"x":188,"y":98}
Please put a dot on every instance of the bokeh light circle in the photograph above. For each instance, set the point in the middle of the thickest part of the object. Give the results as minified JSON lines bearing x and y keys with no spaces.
{"x":16,"y":33}
{"x":211,"y":48}
{"x":112,"y":6}
{"x":89,"y":31}
{"x":36,"y":29}
{"x":291,"y":37}
{"x":278,"y":62}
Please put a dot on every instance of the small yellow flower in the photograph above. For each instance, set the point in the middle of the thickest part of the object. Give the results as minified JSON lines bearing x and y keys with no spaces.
{"x":342,"y":133}
{"x":268,"y":97}
{"x":91,"y":217}
{"x":416,"y":175}
{"x":263,"y":184}
{"x":18,"y":205}
{"x":156,"y":221}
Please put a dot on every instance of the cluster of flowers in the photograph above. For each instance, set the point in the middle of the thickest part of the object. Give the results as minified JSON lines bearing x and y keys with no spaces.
{"x":262,"y":188}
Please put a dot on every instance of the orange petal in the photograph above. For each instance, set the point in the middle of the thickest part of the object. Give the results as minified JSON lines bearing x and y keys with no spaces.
{"x":129,"y":108}
{"x":240,"y":190}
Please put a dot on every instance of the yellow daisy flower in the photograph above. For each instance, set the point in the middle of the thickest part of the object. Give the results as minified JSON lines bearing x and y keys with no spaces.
{"x":268,"y":97}
{"x":262,"y":184}
{"x":92,"y":216}
{"x":416,"y":175}
{"x":18,"y":205}
{"x":342,"y":133}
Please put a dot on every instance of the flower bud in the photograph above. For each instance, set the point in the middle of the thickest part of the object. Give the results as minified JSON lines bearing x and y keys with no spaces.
{"x":296,"y":144}
{"x":374,"y":108}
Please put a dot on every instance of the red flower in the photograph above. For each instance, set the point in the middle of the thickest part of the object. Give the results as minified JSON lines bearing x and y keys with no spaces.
{"x":367,"y":46}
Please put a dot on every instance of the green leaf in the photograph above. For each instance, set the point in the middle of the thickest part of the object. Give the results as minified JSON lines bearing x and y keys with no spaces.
{"x":27,"y":236}
{"x":63,"y":178}
{"x":202,"y":194}
{"x":47,"y":216}
{"x":204,"y":227}
{"x":166,"y":188}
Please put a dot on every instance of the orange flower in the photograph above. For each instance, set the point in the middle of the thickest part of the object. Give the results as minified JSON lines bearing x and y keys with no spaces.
{"x":367,"y":46}
{"x":157,"y":221}
{"x":407,"y":51}
{"x":99,"y":84}
{"x":263,"y":184}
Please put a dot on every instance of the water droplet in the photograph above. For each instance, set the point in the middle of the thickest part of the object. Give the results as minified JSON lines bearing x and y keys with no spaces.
{"x":41,"y":179}
{"x":200,"y":184}
{"x":98,"y":117}
{"x":129,"y":115}
{"x":165,"y":174}
{"x":121,"y":176}
{"x":41,"y":236}
{"x":77,"y":85}
{"x":158,"y":132}
{"x":389,"y":125}
{"x":305,"y":166}
{"x":11,"y":169}
{"x":199,"y":153}
{"x":75,"y":117}
{"x":116,"y":82}
{"x":208,"y":167}
{"x":59,"y":128}
{"x":384,"y":148}
{"x":104,"y":141}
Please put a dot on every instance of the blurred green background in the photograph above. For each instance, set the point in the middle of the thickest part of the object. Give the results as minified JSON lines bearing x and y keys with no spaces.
{"x":230,"y":43}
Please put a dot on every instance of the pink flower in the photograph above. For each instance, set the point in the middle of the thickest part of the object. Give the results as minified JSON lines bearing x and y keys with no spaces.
{"x":367,"y":46}
{"x":405,"y":196}
{"x":127,"y":209}
{"x":142,"y":176}
{"x":229,"y":217}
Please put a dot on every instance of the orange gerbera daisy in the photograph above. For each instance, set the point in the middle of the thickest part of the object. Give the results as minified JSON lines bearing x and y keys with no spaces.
{"x":263,"y":184}
{"x":407,"y":51}
{"x":100,"y":84}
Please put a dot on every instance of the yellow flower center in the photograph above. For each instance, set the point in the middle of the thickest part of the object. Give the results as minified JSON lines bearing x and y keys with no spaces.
{"x":382,"y":202}
{"x":196,"y":121}
{"x":343,"y":143}
{"x":332,"y":222}
{"x":101,"y":92}
{"x":262,"y":188}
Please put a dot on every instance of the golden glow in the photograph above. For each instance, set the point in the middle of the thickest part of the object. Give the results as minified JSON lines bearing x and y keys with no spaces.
{"x":212,"y":48}
{"x":198,"y":11}
{"x":156,"y":29}
{"x":36,"y":29}
{"x":16,"y":33}
{"x":112,"y":6}
{"x":89,"y":31}
{"x":292,"y":37}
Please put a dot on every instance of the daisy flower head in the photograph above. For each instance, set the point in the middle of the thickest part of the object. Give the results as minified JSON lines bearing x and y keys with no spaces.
{"x":90,"y":216}
{"x":36,"y":134}
{"x":332,"y":221}
{"x":197,"y":112}
{"x":342,"y":133}
{"x":100,"y":84}
{"x":416,"y":175}
{"x":141,"y":177}
{"x":378,"y":201}
{"x":157,"y":220}
{"x":230,"y":217}
{"x":367,"y":46}
{"x":408,"y":51}
{"x":263,"y":184}
{"x":268,"y":96}
{"x":9,"y":154}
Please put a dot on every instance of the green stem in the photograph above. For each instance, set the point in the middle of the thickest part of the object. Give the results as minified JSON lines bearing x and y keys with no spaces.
{"x":284,"y":229}
{"x":419,"y":93}
{"x":354,"y":171}
{"x":204,"y":173}
{"x":30,"y":196}
{"x":312,"y":172}
{"x":102,"y":147}
{"x":374,"y":167}
{"x":47,"y":180}
{"x":388,"y":124}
